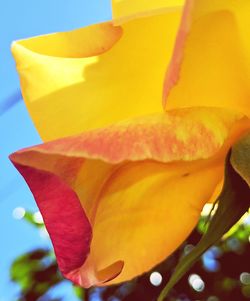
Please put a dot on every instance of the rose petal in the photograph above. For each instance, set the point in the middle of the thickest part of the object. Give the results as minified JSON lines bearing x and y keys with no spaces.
{"x":124,"y":10}
{"x":95,"y":76}
{"x":210,"y":64}
{"x":147,"y":210}
{"x":128,"y":178}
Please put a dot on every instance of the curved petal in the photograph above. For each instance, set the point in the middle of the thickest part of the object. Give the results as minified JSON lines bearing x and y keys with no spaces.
{"x":96,"y":75}
{"x":210,"y":64}
{"x":124,"y":10}
{"x":152,"y":209}
{"x":130,"y":201}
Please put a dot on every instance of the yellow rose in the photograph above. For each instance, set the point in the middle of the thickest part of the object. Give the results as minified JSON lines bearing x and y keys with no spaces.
{"x":121,"y":183}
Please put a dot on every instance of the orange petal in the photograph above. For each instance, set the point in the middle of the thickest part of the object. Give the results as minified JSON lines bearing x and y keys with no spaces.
{"x":210,"y":64}
{"x":122,"y":184}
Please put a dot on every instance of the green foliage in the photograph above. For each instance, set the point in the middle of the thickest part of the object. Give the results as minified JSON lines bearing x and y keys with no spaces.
{"x":29,"y":217}
{"x":223,"y":283}
{"x":35,"y":272}
{"x":79,"y":292}
{"x":233,"y":202}
{"x":240,"y":158}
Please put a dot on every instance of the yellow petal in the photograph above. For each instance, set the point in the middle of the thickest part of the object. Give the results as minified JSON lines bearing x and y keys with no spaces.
{"x":123,"y":10}
{"x":211,"y":61}
{"x":95,"y":76}
{"x":136,"y":188}
{"x":146,"y":211}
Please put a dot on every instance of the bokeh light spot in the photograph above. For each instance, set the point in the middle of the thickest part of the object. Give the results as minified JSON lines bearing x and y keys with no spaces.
{"x":155,"y":278}
{"x":18,"y":213}
{"x":188,"y":248}
{"x":37,"y":216}
{"x":196,"y":282}
{"x":233,"y":244}
{"x":207,"y":209}
{"x":245,"y":278}
{"x":43,"y":233}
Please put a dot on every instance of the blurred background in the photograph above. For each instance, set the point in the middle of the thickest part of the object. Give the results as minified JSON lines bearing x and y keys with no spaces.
{"x":28,"y":270}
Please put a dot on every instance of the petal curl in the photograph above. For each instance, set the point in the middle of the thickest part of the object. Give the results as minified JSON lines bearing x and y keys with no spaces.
{"x":95,"y":76}
{"x":210,"y":64}
{"x":130,"y":201}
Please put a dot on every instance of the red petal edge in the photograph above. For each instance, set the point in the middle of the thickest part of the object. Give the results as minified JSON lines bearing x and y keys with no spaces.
{"x":172,"y":74}
{"x":68,"y":226}
{"x":65,"y":220}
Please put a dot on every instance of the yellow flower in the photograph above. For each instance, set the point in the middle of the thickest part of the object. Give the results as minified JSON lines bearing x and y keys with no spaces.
{"x":121,"y":183}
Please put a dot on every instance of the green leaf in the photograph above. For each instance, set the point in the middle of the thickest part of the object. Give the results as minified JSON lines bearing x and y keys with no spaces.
{"x":233,"y":202}
{"x":240,"y":158}
{"x":35,"y":273}
{"x":79,"y":292}
{"x":29,"y":217}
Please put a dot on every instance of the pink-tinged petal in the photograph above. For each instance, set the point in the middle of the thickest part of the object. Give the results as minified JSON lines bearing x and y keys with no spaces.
{"x":122,"y":183}
{"x":60,"y":206}
{"x":210,"y":62}
{"x":173,"y":70}
{"x":187,"y":134}
{"x":67,"y":225}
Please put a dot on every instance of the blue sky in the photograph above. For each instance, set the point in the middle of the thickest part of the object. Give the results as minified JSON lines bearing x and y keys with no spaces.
{"x":18,"y":20}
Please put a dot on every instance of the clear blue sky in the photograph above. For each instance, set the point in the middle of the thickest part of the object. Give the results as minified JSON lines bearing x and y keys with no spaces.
{"x":22,"y":19}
